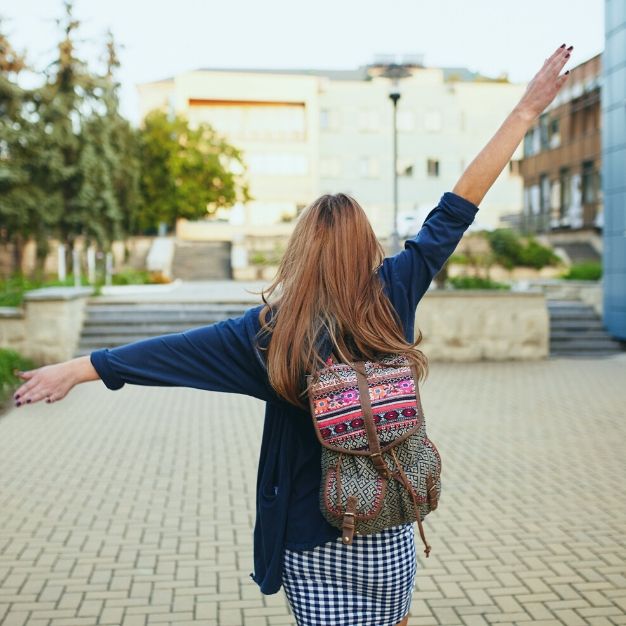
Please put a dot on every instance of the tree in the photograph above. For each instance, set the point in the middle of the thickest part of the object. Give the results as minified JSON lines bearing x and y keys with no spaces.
{"x":15,"y":215}
{"x":185,"y":172}
{"x":108,"y":162}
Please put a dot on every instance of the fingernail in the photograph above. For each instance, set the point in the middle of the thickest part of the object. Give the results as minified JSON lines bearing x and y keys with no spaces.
{"x":571,"y":48}
{"x":567,"y":72}
{"x":16,"y":396}
{"x":567,"y":56}
{"x":18,"y":403}
{"x":562,"y":45}
{"x":28,"y":400}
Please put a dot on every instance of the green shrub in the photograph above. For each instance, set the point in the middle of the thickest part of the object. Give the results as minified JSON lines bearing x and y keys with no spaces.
{"x":510,"y":250}
{"x":589,"y":270}
{"x":12,"y":289}
{"x":506,"y":246}
{"x":10,"y":361}
{"x":131,"y":277}
{"x":537,"y":256}
{"x":476,"y":282}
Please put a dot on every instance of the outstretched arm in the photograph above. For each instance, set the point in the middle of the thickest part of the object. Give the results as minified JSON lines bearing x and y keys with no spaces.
{"x":217,"y":357}
{"x":482,"y":172}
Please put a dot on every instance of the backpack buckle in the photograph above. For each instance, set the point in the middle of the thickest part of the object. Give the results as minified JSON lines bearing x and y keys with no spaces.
{"x":379,"y":464}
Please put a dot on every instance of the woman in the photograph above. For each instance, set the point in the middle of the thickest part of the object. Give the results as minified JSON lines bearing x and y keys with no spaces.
{"x":334,"y":292}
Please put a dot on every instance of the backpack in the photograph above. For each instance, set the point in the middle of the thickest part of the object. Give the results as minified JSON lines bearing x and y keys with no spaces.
{"x":379,"y":469}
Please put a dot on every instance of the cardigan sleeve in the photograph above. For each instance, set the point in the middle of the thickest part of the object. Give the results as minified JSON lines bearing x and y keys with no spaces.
{"x":409,"y":273}
{"x":217,"y":357}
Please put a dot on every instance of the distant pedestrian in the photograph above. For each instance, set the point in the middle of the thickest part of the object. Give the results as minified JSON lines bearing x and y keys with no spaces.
{"x":335,"y":292}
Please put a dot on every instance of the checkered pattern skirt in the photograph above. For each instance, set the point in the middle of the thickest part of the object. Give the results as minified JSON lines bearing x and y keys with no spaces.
{"x":367,"y":583}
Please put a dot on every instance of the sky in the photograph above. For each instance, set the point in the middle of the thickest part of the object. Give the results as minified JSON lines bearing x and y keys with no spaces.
{"x":161,"y":38}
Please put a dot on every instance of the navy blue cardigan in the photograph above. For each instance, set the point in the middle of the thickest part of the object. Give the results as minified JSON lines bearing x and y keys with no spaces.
{"x":225,"y":357}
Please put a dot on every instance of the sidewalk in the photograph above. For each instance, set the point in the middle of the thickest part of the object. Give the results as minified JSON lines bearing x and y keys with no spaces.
{"x":129,"y":508}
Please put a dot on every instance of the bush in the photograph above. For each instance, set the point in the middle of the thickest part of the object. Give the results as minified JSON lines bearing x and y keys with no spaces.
{"x":509,"y":250}
{"x":537,"y":256}
{"x":131,"y":277}
{"x":12,"y":289}
{"x":476,"y":282}
{"x":10,"y":361}
{"x":589,"y":270}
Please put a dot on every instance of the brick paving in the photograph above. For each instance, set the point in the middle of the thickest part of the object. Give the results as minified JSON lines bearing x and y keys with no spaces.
{"x":125,"y":508}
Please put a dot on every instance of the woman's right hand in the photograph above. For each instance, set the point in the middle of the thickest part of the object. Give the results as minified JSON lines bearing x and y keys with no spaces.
{"x":542,"y":89}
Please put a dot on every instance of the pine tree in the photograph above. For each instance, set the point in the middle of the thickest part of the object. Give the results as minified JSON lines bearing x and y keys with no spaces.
{"x":19,"y":201}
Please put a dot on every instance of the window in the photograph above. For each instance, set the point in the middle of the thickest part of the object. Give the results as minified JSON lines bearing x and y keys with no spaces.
{"x":406,"y":121}
{"x":330,"y":167}
{"x":432,"y":167}
{"x":532,"y":143}
{"x":433,"y":121}
{"x":554,"y":134}
{"x":329,"y":119}
{"x":514,"y":167}
{"x":278,"y":164}
{"x":566,"y":192}
{"x":589,"y":182}
{"x":369,"y":120}
{"x":544,"y":185}
{"x":369,"y":167}
{"x":543,"y":132}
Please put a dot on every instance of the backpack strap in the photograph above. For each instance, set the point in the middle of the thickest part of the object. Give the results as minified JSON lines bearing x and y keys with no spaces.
{"x":368,"y":417}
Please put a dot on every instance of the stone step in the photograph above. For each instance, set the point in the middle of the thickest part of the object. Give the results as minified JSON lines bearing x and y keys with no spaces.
{"x":573,"y":324}
{"x":593,"y":333}
{"x":576,"y":343}
{"x":148,"y":329}
{"x":573,"y":315}
{"x":131,"y":317}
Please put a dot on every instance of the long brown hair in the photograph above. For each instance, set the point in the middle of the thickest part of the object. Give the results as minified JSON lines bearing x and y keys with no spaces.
{"x":327,"y":282}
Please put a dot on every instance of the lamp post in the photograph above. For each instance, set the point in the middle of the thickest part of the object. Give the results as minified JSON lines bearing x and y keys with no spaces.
{"x":389,"y":68}
{"x":394,"y":96}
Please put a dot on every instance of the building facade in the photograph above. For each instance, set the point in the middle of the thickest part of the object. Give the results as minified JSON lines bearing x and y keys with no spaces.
{"x":304,"y":133}
{"x":614,"y":168}
{"x":562,"y":159}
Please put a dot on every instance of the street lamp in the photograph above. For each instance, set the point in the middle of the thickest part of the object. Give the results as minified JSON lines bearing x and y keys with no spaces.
{"x":394,"y":96}
{"x":395,"y":71}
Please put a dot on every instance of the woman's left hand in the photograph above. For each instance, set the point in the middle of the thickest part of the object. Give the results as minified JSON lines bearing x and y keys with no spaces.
{"x":50,"y":382}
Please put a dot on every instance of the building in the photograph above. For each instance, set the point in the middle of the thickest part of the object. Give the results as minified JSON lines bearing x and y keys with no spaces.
{"x":562,"y":163}
{"x":614,"y":168}
{"x":308,"y":132}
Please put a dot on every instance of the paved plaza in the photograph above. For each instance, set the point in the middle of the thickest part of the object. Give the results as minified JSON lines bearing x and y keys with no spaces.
{"x":130,"y":508}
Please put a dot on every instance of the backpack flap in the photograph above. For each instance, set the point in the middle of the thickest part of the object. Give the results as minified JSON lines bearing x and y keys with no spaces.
{"x":337,"y":401}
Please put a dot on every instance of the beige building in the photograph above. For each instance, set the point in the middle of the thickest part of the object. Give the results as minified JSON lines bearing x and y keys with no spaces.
{"x":309,"y":132}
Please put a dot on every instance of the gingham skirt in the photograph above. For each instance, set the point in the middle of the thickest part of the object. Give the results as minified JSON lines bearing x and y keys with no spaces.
{"x":367,"y":583}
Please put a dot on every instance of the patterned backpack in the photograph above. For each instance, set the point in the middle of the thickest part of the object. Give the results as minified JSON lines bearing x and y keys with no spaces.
{"x":379,"y":469}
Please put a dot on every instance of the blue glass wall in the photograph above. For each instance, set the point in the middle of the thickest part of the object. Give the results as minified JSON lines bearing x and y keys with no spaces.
{"x":614,"y":167}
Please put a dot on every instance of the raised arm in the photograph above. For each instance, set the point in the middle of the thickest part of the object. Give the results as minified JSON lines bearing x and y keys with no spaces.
{"x":482,"y":172}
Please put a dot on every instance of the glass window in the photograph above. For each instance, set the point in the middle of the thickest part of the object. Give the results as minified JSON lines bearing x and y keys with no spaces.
{"x":433,"y":121}
{"x":589,"y":182}
{"x":369,"y":120}
{"x":369,"y":167}
{"x":543,"y":132}
{"x":566,"y":191}
{"x":406,"y":121}
{"x":432,"y":167}
{"x":555,"y":133}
